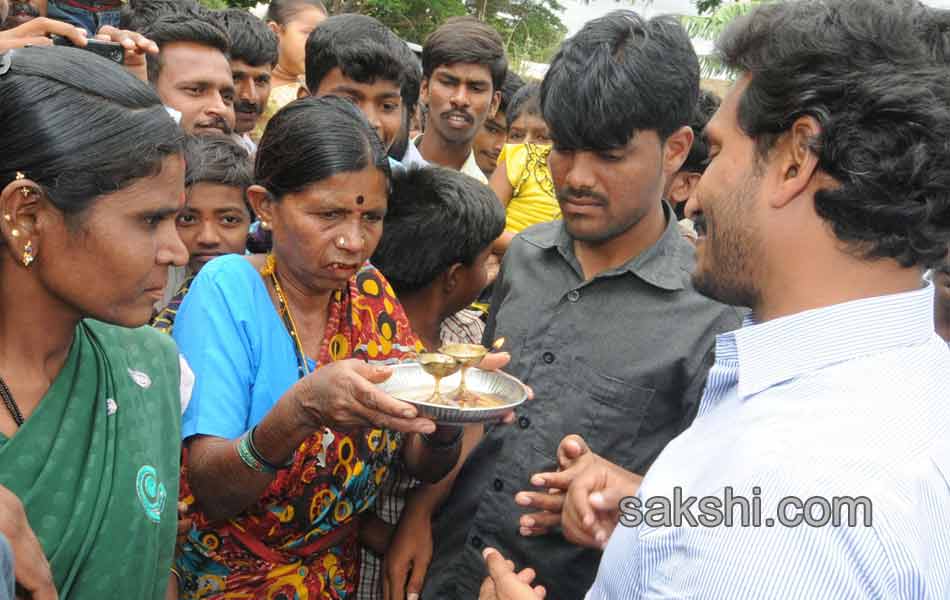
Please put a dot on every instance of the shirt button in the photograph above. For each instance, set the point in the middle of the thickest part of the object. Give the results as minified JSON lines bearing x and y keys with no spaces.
{"x":524,"y":422}
{"x":477,"y":542}
{"x":573,"y":295}
{"x":499,"y":485}
{"x":547,"y":357}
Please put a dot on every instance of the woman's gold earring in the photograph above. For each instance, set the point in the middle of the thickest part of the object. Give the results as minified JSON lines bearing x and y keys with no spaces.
{"x":28,"y":254}
{"x":25,"y":191}
{"x":7,"y":217}
{"x":265,"y":225}
{"x":15,"y":232}
{"x":20,"y":175}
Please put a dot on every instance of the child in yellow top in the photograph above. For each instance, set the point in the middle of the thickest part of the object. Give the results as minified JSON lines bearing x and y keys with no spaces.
{"x":522,"y":180}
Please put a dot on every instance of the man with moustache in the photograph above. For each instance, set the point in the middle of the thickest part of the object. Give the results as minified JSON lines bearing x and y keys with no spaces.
{"x":597,"y":310}
{"x":192,"y":73}
{"x":253,"y":57}
{"x":463,"y":70}
{"x":822,"y":209}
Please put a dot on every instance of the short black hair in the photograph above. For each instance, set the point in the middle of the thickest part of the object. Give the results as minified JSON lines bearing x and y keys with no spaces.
{"x":619,"y":75}
{"x":283,"y":11}
{"x":860,"y":69}
{"x":513,"y":83}
{"x":137,"y":15}
{"x":465,"y":40}
{"x":437,"y":217}
{"x":184,"y":27}
{"x":698,"y":156}
{"x":217,"y":159}
{"x":252,"y":41}
{"x":526,"y":101}
{"x":364,"y":49}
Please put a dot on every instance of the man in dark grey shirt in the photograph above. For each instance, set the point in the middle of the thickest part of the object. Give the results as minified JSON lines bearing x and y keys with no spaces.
{"x":598,"y":311}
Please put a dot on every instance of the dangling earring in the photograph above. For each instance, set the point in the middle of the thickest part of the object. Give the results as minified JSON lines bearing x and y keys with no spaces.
{"x":7,"y":217}
{"x":20,"y":175}
{"x":28,"y":254}
{"x":15,"y":233}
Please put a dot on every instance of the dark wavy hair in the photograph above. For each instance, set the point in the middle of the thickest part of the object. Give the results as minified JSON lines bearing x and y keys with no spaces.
{"x":620,"y":74}
{"x":466,"y":40}
{"x":80,"y":126}
{"x":252,"y":41}
{"x":513,"y":83}
{"x":860,"y":69}
{"x":437,"y":217}
{"x":365,"y":50}
{"x":312,"y":139}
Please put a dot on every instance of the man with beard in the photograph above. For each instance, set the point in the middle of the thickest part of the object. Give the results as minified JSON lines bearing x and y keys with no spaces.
{"x":821,"y":210}
{"x":191,"y":72}
{"x":253,"y":56}
{"x":463,"y":69}
{"x":597,"y":310}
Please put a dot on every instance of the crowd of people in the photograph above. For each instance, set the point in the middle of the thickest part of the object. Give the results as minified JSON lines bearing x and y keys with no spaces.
{"x":219,"y":232}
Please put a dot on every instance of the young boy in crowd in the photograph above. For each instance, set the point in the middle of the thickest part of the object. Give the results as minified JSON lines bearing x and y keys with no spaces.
{"x":358,"y":58}
{"x":216,"y":215}
{"x":522,"y":180}
{"x":493,"y":135}
{"x":434,"y":252}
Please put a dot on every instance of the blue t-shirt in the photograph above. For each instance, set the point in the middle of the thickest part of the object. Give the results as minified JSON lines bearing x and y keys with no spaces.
{"x":238,"y":347}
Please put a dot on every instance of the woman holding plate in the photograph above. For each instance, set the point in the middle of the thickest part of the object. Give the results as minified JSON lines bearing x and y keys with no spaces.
{"x":287,"y":439}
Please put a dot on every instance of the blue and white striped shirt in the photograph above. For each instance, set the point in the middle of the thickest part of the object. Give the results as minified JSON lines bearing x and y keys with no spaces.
{"x":850,"y":400}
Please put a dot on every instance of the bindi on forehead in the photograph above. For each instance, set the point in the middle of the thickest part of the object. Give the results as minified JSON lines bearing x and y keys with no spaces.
{"x":360,"y":199}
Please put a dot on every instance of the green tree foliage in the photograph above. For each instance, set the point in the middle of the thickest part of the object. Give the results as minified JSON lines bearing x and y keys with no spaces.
{"x":712,"y":20}
{"x":532,"y":29}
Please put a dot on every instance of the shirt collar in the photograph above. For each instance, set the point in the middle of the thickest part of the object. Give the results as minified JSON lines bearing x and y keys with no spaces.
{"x":661,"y":265}
{"x":783,"y":349}
{"x":412,"y":159}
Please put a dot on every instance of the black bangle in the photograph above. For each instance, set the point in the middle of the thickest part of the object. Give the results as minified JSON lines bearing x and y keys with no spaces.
{"x":429,"y":440}
{"x":257,"y":455}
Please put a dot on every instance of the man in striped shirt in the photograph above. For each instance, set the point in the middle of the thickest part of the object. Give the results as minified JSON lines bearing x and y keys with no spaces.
{"x":823,"y":435}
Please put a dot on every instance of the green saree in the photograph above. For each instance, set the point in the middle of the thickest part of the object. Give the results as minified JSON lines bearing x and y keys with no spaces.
{"x":96,"y":465}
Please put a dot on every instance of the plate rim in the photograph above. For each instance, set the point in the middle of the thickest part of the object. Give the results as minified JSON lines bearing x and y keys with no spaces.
{"x":468,"y":411}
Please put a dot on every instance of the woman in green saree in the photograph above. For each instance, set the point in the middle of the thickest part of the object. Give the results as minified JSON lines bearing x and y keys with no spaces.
{"x":91,"y":179}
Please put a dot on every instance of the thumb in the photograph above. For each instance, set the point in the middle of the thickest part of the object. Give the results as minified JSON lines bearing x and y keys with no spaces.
{"x":497,"y":565}
{"x":571,"y":448}
{"x":372,"y":373}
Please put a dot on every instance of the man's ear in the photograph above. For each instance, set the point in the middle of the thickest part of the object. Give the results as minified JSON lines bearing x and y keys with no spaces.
{"x":495,"y":103}
{"x":681,"y":187}
{"x":676,"y":149}
{"x":274,"y":26}
{"x":424,"y":92}
{"x":797,"y":163}
{"x":451,"y":278}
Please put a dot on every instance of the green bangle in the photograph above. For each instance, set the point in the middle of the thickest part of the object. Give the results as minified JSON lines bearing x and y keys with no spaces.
{"x":260,"y":458}
{"x":248,"y":458}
